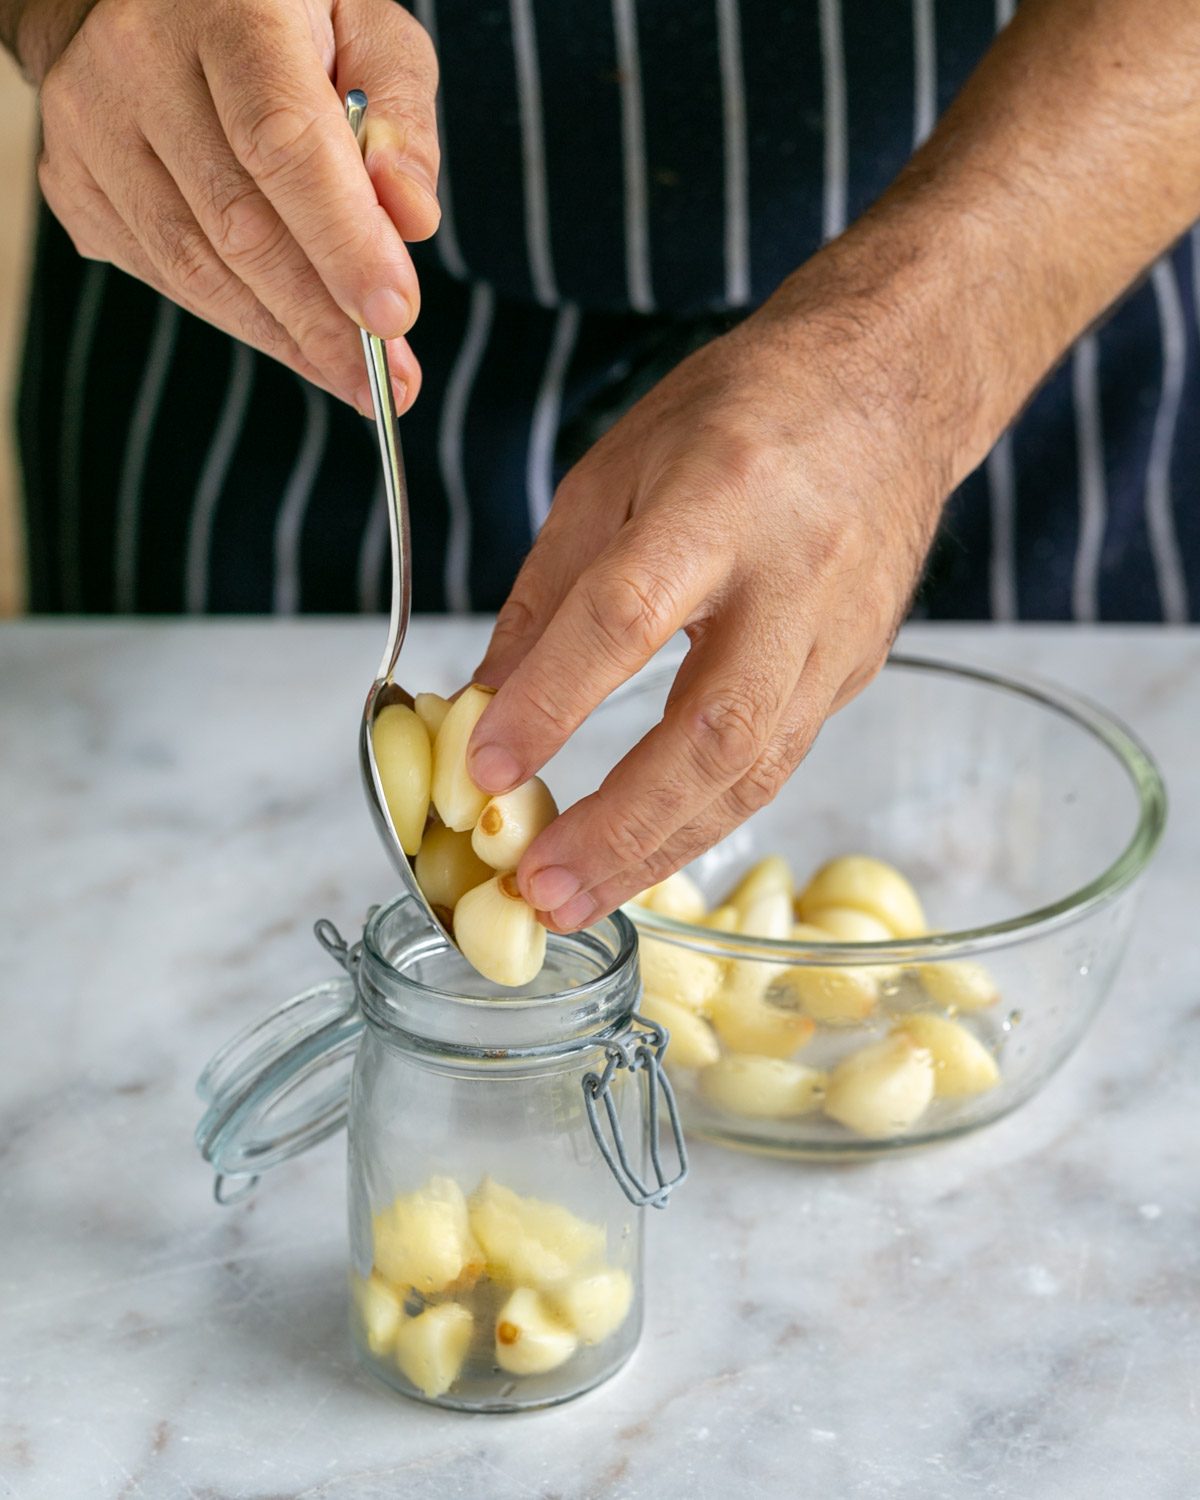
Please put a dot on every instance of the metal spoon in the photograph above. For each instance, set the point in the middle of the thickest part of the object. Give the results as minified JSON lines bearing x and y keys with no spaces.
{"x":384,"y":691}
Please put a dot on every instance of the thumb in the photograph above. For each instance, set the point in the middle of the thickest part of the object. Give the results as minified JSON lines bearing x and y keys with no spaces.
{"x":387,"y":53}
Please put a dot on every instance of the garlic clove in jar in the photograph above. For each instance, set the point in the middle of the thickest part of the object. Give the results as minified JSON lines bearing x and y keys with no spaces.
{"x":962,"y":1065}
{"x":380,"y":1309}
{"x":528,"y":1242}
{"x":432,"y":1347}
{"x":762,"y":1087}
{"x":866,"y":884}
{"x":677,"y":896}
{"x":447,"y":867}
{"x":531,"y":1338}
{"x":509,"y":823}
{"x":423,"y":1239}
{"x":958,"y":984}
{"x":693,"y":1042}
{"x":672,"y":972}
{"x":403,"y":759}
{"x":431,"y":709}
{"x":882,"y":1089}
{"x":594,"y":1305}
{"x":499,"y":933}
{"x":455,"y":796}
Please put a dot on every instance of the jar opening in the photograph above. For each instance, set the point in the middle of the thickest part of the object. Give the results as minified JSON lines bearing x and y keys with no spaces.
{"x":411,"y":981}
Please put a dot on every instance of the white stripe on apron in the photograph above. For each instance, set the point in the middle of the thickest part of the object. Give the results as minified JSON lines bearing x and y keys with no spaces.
{"x":833,"y":65}
{"x":924,"y":70}
{"x":289,"y":524}
{"x":1160,"y":519}
{"x":543,"y":429}
{"x":1002,"y":493}
{"x":733,"y":110}
{"x":1093,"y":495}
{"x":446,"y":239}
{"x":212,"y":477}
{"x":79,"y":353}
{"x":533,"y":153}
{"x":137,"y":446}
{"x":633,"y":137}
{"x":450,"y":447}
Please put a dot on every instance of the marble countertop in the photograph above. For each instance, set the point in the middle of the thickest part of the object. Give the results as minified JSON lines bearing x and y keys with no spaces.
{"x":1014,"y":1314}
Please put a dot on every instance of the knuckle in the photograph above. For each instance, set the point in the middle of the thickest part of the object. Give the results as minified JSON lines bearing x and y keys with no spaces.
{"x":630,"y":838}
{"x":552,"y":710}
{"x":515,"y":620}
{"x":728,"y":733}
{"x":759,"y":786}
{"x":275,"y":142}
{"x":244,"y":232}
{"x":632,"y":612}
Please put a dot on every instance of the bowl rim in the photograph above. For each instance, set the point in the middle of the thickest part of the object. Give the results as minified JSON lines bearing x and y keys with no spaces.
{"x":1135,"y":759}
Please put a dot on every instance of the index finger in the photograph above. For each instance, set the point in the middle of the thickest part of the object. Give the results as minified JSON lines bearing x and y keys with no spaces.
{"x":287,"y":127}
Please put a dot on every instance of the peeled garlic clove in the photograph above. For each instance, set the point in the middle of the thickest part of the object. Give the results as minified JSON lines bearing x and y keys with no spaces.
{"x":767,"y":876}
{"x":958,"y":984}
{"x":882,"y":1089}
{"x":767,"y":915}
{"x":762,"y":1087}
{"x":693,"y":1042}
{"x":721,"y":919}
{"x":509,"y":823}
{"x":594,"y":1305}
{"x":423,"y":1239}
{"x":380,"y":1309}
{"x":962,"y":1065}
{"x":531,"y":1338}
{"x":528,"y":1242}
{"x":745,"y":1022}
{"x":849,"y":925}
{"x":677,"y":896}
{"x":866,"y":884}
{"x":431,"y":709}
{"x":457,"y":799}
{"x":836,"y":996}
{"x":432,"y":1347}
{"x":499,"y":933}
{"x":683,"y":975}
{"x":403,"y":759}
{"x":447,"y":867}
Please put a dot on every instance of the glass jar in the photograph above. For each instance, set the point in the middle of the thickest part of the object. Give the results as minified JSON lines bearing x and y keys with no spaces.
{"x":502,"y":1149}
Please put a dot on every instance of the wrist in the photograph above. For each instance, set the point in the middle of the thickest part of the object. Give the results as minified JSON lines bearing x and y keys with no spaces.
{"x":38,"y":32}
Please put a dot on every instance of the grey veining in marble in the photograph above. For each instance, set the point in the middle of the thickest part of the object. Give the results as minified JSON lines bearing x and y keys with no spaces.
{"x":1016,"y":1314}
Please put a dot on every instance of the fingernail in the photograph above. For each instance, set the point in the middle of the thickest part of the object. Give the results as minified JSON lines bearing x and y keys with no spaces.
{"x":494,"y":769}
{"x":386,"y":314}
{"x":575,"y":913}
{"x":554,"y":887}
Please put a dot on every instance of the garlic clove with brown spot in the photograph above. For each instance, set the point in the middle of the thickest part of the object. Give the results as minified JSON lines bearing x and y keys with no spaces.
{"x":509,"y":823}
{"x":499,"y":933}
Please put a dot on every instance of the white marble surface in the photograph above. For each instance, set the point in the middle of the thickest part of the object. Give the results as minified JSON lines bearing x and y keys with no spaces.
{"x":1016,"y":1314}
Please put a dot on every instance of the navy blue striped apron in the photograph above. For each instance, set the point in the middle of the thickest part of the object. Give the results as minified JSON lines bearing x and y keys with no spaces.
{"x":622,"y":180}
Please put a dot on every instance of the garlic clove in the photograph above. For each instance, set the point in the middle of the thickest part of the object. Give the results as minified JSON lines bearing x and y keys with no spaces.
{"x":683,"y":975}
{"x":766,"y":915}
{"x":380,"y":1310}
{"x":457,"y":799}
{"x":677,"y":896}
{"x":866,"y":884}
{"x":767,"y":876}
{"x":509,"y":823}
{"x":423,"y":1239}
{"x":958,"y":984}
{"x":431,"y":709}
{"x":839,"y":995}
{"x":762,"y":1087}
{"x":693,"y":1042}
{"x":849,"y":925}
{"x":531,"y":1338}
{"x":745,"y":1022}
{"x":499,"y":933}
{"x":882,"y":1089}
{"x":431,"y":1348}
{"x":962,"y":1065}
{"x":403,"y":759}
{"x":447,"y":867}
{"x":721,"y":919}
{"x":527,"y":1242}
{"x":594,"y":1305}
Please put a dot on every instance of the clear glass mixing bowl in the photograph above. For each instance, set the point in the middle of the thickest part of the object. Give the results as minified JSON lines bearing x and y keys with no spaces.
{"x":1023,"y":817}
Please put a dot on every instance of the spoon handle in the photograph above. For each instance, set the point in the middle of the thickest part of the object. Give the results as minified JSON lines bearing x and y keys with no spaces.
{"x":384,"y":405}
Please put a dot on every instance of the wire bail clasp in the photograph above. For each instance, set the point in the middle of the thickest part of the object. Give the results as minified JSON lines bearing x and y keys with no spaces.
{"x":347,"y":955}
{"x":640,"y":1051}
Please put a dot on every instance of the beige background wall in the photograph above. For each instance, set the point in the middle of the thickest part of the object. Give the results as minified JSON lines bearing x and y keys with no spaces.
{"x":16,"y":202}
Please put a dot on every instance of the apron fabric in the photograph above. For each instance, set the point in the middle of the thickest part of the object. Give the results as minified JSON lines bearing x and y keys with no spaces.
{"x":622,"y":179}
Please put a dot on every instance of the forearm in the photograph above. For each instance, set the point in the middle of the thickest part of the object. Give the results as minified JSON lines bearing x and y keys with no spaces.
{"x":1068,"y":163}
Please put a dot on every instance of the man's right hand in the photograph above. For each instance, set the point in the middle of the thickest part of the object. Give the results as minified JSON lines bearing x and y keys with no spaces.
{"x":204,"y":148}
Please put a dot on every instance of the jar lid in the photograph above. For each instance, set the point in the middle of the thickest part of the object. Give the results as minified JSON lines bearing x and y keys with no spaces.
{"x":279,"y":1087}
